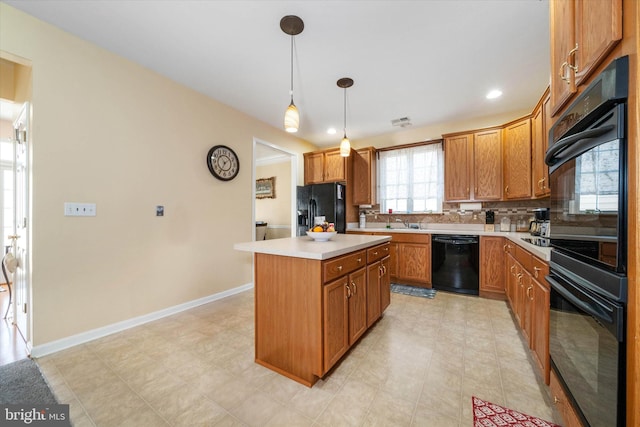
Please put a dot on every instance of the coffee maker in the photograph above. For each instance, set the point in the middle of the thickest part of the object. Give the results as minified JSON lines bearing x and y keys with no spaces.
{"x":540,"y":224}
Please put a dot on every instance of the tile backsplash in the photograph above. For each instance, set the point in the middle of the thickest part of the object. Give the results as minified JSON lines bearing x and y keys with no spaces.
{"x":451,"y":213}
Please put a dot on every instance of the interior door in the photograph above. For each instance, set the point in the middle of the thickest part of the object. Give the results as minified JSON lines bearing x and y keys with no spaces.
{"x":20,"y":236}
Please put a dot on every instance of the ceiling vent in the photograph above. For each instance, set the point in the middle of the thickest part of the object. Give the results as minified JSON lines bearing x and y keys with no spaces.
{"x":403,"y":122}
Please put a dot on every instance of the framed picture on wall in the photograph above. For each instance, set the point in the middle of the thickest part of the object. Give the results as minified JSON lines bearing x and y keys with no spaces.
{"x":266,"y":188}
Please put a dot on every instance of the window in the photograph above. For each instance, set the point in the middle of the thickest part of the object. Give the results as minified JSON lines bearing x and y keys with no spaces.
{"x":597,"y":179}
{"x":411,"y":180}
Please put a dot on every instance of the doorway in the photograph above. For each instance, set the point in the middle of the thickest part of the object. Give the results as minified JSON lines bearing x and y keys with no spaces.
{"x":14,"y":291}
{"x":274,"y":215}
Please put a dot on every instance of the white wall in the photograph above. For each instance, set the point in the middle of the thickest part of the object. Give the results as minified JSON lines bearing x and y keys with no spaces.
{"x":108,"y":131}
{"x":276,"y":212}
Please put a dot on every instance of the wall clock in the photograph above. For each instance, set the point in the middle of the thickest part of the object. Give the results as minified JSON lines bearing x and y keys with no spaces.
{"x":223,"y":162}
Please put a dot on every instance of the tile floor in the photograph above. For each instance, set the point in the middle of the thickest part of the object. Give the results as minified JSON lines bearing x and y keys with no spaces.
{"x":418,"y":366}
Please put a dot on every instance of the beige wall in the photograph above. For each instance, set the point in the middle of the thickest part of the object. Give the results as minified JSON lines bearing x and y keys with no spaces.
{"x":107,"y":131}
{"x":276,"y":212}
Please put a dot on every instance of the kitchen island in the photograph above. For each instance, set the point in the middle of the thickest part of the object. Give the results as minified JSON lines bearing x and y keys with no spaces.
{"x":314,"y":300}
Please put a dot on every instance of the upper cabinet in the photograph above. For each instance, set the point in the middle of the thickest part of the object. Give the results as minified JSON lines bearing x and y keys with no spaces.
{"x":473,"y":166}
{"x":458,"y":155}
{"x":517,"y":160}
{"x":487,"y":165}
{"x":540,"y":124}
{"x":364,"y":176}
{"x":583,"y":32}
{"x":325,"y":166}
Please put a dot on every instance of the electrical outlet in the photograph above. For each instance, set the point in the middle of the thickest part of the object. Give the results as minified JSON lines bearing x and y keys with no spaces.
{"x":79,"y":209}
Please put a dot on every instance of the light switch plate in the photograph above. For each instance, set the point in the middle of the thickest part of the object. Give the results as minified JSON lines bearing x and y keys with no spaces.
{"x":79,"y":209}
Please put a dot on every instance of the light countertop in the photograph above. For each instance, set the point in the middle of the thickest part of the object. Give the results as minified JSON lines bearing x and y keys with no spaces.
{"x":305,"y":247}
{"x":465,"y":229}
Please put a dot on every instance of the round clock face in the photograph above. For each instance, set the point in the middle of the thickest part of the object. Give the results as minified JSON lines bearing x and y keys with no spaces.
{"x":223,"y":162}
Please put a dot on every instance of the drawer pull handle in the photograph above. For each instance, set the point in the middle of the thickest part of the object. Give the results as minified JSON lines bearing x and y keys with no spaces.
{"x":339,"y":268}
{"x":359,"y":260}
{"x":375,"y":253}
{"x":535,"y":271}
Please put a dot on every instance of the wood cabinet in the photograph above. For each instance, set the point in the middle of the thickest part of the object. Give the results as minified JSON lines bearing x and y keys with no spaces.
{"x":517,"y":160}
{"x":325,"y":166}
{"x":413,"y":257}
{"x":540,"y":295}
{"x":540,"y":124}
{"x":473,"y":166}
{"x":528,"y":294}
{"x":487,"y":165}
{"x":492,"y":261}
{"x":582,"y":34}
{"x":364,"y":176}
{"x":309,"y":312}
{"x":562,"y":402}
{"x":458,"y":156}
{"x":378,"y":283}
{"x":409,"y":260}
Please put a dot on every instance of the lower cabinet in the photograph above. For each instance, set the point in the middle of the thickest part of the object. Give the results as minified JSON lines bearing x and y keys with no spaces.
{"x":528,"y":295}
{"x":492,"y":259}
{"x":412,"y":259}
{"x":560,"y":399}
{"x":385,"y":284}
{"x":354,"y":301}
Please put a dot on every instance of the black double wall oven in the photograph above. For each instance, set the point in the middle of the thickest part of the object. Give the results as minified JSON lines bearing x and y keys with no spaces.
{"x":587,"y":160}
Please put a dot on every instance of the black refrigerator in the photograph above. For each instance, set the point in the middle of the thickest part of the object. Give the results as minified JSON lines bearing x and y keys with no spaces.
{"x":326,"y":200}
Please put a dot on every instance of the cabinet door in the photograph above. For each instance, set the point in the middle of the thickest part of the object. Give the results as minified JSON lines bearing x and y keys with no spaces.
{"x":540,"y":326}
{"x":457,"y":167}
{"x":385,"y":284}
{"x":538,"y":148}
{"x":525,"y":303}
{"x":374,"y":272}
{"x":517,"y":160}
{"x":357,"y":304}
{"x":364,"y":177}
{"x":492,"y":261}
{"x":393,"y":261}
{"x":313,"y":168}
{"x":562,"y":42}
{"x":336,"y":326}
{"x":335,"y":166}
{"x":414,"y":262}
{"x":487,"y":165}
{"x":598,"y":30}
{"x":511,"y":282}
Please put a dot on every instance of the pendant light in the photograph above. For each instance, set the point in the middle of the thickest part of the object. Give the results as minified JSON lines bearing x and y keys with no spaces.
{"x":345,"y":145}
{"x":293,"y":26}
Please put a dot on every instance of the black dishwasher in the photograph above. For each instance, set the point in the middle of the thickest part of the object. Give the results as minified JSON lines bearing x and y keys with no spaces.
{"x":454,"y":263}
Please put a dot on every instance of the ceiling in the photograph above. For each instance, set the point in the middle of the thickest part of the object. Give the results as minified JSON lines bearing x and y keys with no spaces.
{"x":432,"y":61}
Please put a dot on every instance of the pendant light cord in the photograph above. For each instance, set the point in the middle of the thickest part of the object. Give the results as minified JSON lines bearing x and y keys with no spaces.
{"x":291,"y":92}
{"x":344,"y":129}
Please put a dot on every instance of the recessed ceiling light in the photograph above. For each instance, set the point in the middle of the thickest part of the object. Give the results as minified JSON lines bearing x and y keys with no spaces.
{"x":494,"y":94}
{"x":331,"y":131}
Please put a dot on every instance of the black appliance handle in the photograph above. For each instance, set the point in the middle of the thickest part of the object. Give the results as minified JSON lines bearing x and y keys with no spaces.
{"x":550,"y":158}
{"x":313,"y":212}
{"x":454,"y":241}
{"x":596,"y":309}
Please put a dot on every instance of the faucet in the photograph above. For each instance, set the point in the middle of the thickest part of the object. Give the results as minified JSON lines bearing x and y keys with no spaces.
{"x":405,"y":222}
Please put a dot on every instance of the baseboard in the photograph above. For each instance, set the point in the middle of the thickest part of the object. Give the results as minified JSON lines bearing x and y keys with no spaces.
{"x":61,"y":344}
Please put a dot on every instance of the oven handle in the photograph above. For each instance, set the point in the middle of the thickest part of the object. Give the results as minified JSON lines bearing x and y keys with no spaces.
{"x":550,"y":159}
{"x":596,"y":310}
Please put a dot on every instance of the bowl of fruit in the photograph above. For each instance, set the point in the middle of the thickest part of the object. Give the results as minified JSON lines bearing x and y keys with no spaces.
{"x":322,"y":232}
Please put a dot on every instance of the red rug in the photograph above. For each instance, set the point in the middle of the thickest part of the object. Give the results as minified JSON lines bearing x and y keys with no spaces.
{"x":487,"y":414}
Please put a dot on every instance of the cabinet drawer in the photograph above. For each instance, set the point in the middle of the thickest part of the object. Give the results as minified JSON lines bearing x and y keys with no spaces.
{"x":377,"y":252}
{"x":409,"y":237}
{"x":539,"y":270}
{"x":339,"y":266}
{"x":525,"y":258}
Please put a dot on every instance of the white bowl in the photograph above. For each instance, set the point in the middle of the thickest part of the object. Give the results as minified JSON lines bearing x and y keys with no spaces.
{"x":321,"y":236}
